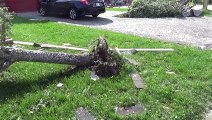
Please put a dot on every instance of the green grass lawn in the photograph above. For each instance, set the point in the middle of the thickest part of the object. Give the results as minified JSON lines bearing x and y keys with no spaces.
{"x":185,"y":95}
{"x":207,"y":13}
{"x":117,"y":9}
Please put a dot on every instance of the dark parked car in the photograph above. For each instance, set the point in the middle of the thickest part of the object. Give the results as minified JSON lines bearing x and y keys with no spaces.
{"x":73,"y":8}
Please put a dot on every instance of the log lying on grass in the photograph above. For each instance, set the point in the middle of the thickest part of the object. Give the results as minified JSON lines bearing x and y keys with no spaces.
{"x":14,"y":54}
{"x":100,"y":60}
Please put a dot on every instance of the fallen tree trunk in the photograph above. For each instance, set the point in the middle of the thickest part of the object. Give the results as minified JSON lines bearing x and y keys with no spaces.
{"x":13,"y":54}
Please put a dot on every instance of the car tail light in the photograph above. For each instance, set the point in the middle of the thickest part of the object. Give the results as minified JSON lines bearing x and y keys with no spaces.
{"x":85,"y":2}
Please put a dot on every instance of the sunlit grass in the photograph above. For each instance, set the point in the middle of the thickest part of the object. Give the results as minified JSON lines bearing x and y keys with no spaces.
{"x":117,"y":9}
{"x":183,"y":95}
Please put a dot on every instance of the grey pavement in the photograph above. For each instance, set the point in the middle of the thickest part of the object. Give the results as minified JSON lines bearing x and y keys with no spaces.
{"x":195,"y":31}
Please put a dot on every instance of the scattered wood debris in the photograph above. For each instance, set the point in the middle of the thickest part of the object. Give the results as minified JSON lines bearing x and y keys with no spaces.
{"x":60,"y":85}
{"x":94,"y":76}
{"x":137,"y":80}
{"x":147,"y":49}
{"x":132,"y":61}
{"x":45,"y":45}
{"x":83,"y":114}
{"x":171,"y":73}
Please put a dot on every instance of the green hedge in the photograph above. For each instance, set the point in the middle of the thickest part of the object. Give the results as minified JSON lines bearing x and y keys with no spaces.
{"x":154,"y":8}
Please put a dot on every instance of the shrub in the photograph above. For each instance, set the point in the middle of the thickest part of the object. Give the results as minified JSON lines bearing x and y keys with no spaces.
{"x":5,"y":23}
{"x":154,"y":8}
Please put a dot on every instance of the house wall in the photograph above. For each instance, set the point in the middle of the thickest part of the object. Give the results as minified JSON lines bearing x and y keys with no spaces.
{"x":2,"y":3}
{"x":22,"y":5}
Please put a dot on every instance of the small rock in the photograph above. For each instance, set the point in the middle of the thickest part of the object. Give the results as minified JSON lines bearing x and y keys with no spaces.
{"x":137,"y":109}
{"x":59,"y":85}
{"x":94,"y":76}
{"x":83,"y":114}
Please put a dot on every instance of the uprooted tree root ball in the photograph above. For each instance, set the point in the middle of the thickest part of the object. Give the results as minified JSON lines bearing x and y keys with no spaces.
{"x":106,"y":62}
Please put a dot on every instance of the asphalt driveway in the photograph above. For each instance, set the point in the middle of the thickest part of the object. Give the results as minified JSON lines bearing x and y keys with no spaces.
{"x":191,"y":30}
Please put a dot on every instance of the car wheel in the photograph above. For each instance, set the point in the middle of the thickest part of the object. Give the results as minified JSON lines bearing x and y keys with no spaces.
{"x":42,"y":11}
{"x":95,"y":15}
{"x":74,"y":14}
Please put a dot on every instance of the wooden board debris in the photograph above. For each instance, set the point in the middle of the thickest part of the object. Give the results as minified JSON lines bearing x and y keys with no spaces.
{"x":137,"y":80}
{"x":63,"y":47}
{"x":132,"y":61}
{"x":147,"y":49}
{"x":83,"y":114}
{"x":45,"y":45}
{"x":93,"y":76}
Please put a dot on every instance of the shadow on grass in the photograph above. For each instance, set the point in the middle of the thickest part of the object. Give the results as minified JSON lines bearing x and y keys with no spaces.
{"x":207,"y":13}
{"x":36,"y":18}
{"x":21,"y":20}
{"x":8,"y":89}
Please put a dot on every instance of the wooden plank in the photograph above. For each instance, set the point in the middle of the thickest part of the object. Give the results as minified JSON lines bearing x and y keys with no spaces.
{"x":132,"y":61}
{"x":83,"y":114}
{"x":147,"y":49}
{"x":23,"y":43}
{"x":45,"y":45}
{"x":137,"y":80}
{"x":62,"y":47}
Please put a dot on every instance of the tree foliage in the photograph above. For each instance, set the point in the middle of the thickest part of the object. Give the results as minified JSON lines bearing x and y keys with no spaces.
{"x":5,"y":23}
{"x":154,"y":9}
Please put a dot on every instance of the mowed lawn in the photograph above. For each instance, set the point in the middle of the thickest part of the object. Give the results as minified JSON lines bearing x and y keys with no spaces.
{"x":28,"y":90}
{"x":207,"y":13}
{"x":117,"y":9}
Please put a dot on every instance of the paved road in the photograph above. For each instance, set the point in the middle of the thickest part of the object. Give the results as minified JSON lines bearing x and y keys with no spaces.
{"x":194,"y":31}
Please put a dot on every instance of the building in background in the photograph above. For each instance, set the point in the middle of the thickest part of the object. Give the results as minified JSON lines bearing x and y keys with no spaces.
{"x":20,"y":5}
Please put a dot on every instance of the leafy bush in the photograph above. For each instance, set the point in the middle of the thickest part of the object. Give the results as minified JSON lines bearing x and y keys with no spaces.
{"x":5,"y":23}
{"x":154,"y":8}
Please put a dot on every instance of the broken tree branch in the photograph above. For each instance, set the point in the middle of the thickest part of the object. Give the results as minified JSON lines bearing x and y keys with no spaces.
{"x":4,"y":65}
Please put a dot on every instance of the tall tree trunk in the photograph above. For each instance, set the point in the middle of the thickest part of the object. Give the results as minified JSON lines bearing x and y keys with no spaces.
{"x":205,"y":4}
{"x":12,"y":54}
